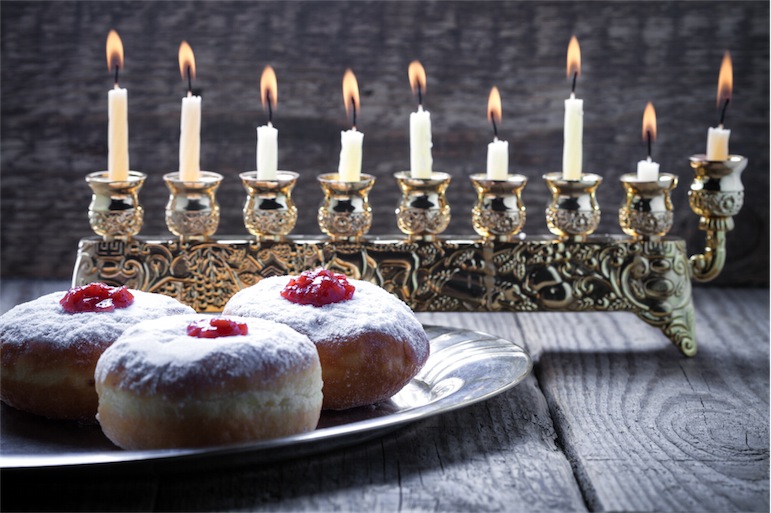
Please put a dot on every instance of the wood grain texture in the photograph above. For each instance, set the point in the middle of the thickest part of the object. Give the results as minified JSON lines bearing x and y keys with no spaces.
{"x":612,"y":419}
{"x":648,"y":431}
{"x":54,"y":127}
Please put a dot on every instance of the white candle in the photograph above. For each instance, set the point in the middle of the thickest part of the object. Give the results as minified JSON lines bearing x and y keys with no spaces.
{"x":717,"y":138}
{"x":190,"y":139}
{"x":498,"y":160}
{"x":647,"y":170}
{"x":420,"y":144}
{"x":267,"y":152}
{"x":117,"y":134}
{"x":717,"y":143}
{"x":349,"y":169}
{"x":572,"y":149}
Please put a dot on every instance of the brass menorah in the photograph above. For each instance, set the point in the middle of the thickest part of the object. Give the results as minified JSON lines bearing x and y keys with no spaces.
{"x":644,"y":271}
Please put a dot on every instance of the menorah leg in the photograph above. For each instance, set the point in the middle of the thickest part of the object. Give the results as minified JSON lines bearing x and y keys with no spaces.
{"x":679,"y":326}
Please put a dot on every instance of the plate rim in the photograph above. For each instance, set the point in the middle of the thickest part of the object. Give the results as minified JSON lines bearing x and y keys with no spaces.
{"x":360,"y":430}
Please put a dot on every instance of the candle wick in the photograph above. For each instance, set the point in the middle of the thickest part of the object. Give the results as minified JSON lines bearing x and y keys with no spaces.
{"x":650,"y":145}
{"x":722,"y":113}
{"x":495,"y":128}
{"x":189,"y":82}
{"x":270,"y":108}
{"x":117,"y":68}
{"x":353,"y":107}
{"x":575,"y":78}
{"x":420,"y":95}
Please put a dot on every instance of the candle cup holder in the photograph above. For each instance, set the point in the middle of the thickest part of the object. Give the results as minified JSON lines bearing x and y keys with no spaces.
{"x":423,"y":211}
{"x":647,"y":210}
{"x":114,"y":211}
{"x":192,"y":212}
{"x":650,"y":275}
{"x":499,"y":212}
{"x":269,"y":212}
{"x":345,"y":213}
{"x":573,"y":212}
{"x":716,"y":195}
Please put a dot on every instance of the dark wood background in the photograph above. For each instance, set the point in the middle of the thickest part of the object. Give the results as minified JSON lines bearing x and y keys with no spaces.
{"x":55,"y":80}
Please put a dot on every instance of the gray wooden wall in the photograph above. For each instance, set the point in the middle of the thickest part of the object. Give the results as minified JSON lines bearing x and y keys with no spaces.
{"x":54,"y":107}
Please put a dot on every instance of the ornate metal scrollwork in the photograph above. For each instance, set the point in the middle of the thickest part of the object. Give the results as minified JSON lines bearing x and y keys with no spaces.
{"x":649,"y":278}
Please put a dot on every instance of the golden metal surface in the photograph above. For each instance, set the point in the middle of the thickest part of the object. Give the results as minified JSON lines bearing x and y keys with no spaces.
{"x":649,"y":278}
{"x":345,"y":212}
{"x":114,"y":211}
{"x":192,"y":212}
{"x":573,"y":212}
{"x":716,"y":195}
{"x":423,"y":211}
{"x":648,"y":273}
{"x":647,"y":209}
{"x":269,"y":211}
{"x":499,"y":212}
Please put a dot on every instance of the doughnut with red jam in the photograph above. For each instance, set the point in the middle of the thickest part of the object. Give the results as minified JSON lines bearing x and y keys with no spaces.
{"x":370,"y":343}
{"x":192,"y":381}
{"x":49,"y":346}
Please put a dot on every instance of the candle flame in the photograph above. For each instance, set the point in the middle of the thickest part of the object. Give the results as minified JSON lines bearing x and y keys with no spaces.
{"x":350,"y":92}
{"x":725,"y":81}
{"x":114,"y":51}
{"x":494,"y":110}
{"x":186,"y":60}
{"x":649,"y":123}
{"x":269,"y":87}
{"x":417,"y":77}
{"x":574,"y":58}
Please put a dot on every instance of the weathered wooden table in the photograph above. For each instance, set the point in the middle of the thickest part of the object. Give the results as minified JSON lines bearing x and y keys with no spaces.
{"x":612,"y":418}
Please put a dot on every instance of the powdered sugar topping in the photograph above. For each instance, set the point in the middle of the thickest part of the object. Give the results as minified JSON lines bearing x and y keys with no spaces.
{"x":44,"y":320}
{"x":370,"y":308}
{"x":158,"y":356}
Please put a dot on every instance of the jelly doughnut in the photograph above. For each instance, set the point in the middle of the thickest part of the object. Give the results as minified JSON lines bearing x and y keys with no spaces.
{"x":49,"y":346}
{"x":370,"y":343}
{"x":192,"y":381}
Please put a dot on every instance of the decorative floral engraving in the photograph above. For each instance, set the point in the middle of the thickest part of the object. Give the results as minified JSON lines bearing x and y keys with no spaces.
{"x":572,"y":222}
{"x":193,"y":223}
{"x":716,"y":203}
{"x":270,"y":222}
{"x":649,"y":278}
{"x":491,"y":222}
{"x":417,"y":221}
{"x":344,"y":224}
{"x":116,"y":223}
{"x":645,"y":223}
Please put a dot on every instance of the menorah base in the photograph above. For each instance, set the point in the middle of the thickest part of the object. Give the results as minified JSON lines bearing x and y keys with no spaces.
{"x":534,"y":274}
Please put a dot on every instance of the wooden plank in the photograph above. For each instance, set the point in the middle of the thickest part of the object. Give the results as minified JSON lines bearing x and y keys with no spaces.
{"x":495,"y":456}
{"x":647,"y":429}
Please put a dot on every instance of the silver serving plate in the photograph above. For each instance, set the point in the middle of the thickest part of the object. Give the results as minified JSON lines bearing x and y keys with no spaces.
{"x":465,"y":367}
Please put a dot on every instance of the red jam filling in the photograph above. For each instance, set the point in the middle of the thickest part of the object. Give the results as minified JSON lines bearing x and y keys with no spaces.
{"x":96,"y":297}
{"x":318,"y":288}
{"x":215,"y":328}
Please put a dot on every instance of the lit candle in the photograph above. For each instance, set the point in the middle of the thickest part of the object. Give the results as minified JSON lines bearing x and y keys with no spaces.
{"x":267,"y":135}
{"x":647,"y":170}
{"x":420,"y":126}
{"x":351,"y":140}
{"x":117,"y":113}
{"x":190,"y":121}
{"x":717,"y":138}
{"x":572,"y":150}
{"x":497,"y":151}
